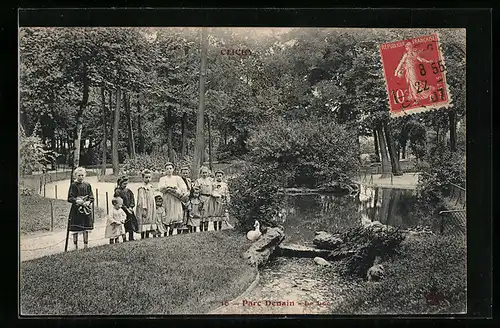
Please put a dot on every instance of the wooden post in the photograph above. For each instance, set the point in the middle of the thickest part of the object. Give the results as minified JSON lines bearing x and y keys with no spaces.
{"x":107,"y":203}
{"x":97,"y":196}
{"x":67,"y":232}
{"x":40,"y":185}
{"x":55,"y":186}
{"x":391,"y":177}
{"x":44,"y":189}
{"x":51,"y":216}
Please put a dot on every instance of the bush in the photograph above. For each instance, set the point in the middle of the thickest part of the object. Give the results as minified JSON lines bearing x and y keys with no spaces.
{"x":423,"y":264}
{"x":308,"y":153}
{"x":33,"y":156}
{"x":440,"y":168}
{"x":144,"y":161}
{"x":254,"y":196}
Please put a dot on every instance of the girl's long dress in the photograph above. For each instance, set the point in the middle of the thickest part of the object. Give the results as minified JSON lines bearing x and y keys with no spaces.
{"x":189,"y":187}
{"x":114,"y":225}
{"x":146,"y":203}
{"x":206,"y":185}
{"x":80,"y":221}
{"x":195,"y":210}
{"x":160,"y":218}
{"x":220,"y":200}
{"x":173,"y":202}
{"x":128,"y":202}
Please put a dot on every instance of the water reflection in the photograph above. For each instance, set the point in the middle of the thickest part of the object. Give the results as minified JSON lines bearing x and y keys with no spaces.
{"x":313,"y":212}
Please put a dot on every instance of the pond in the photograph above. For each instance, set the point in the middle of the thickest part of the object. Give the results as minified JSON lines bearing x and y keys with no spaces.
{"x":308,"y":213}
{"x":300,"y":279}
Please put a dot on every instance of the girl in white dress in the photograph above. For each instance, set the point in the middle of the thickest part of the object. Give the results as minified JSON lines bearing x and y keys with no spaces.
{"x":115,"y":223}
{"x":174,"y":193}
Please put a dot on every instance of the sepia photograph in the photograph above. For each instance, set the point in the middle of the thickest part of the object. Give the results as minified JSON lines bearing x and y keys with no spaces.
{"x":242,"y":171}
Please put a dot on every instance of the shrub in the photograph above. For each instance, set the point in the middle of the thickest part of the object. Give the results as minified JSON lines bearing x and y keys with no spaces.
{"x":440,"y":168}
{"x":254,"y":196}
{"x":308,"y":153}
{"x":423,"y":264}
{"x":144,"y":161}
{"x":33,"y":156}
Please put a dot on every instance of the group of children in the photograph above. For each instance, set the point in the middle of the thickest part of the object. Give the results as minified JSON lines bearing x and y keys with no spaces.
{"x":177,"y":204}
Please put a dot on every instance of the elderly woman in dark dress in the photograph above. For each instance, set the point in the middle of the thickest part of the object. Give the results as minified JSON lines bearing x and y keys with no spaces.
{"x":81,"y":198}
{"x":127,"y":195}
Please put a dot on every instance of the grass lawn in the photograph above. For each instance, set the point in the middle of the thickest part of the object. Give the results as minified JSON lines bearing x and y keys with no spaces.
{"x":34,"y":213}
{"x":181,"y":274}
{"x":423,"y":262}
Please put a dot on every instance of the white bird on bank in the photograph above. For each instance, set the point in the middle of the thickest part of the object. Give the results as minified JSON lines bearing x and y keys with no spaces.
{"x":255,"y":234}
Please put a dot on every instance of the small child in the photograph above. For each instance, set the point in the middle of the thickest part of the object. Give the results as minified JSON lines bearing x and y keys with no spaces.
{"x":160,"y":215}
{"x":195,"y":212}
{"x":115,"y":223}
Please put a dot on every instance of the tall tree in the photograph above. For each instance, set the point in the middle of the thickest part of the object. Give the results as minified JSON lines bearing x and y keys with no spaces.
{"x":131,"y":141}
{"x":386,"y":164}
{"x":116,"y":127}
{"x":200,"y":142}
{"x":396,"y":168}
{"x":104,"y":131}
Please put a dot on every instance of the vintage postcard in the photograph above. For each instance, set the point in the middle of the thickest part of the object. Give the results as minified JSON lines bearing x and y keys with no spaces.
{"x":216,"y":170}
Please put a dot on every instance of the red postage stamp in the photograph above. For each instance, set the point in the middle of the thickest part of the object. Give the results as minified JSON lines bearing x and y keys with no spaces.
{"x":415,"y":75}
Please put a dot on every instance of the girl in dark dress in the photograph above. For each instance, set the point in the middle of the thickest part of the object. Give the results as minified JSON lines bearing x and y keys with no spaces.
{"x":81,"y":198}
{"x":127,"y":195}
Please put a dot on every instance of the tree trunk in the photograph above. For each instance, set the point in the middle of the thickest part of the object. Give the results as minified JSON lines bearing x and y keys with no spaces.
{"x":79,"y":121}
{"x":209,"y":144}
{"x":131,"y":140}
{"x":116,"y":126}
{"x":386,"y":165}
{"x":384,"y":208}
{"x":453,"y":129}
{"x":403,"y":150}
{"x":396,"y":168}
{"x":375,"y":141}
{"x":104,"y":132}
{"x":139,"y":125}
{"x":183,"y":135}
{"x":375,"y":204}
{"x":199,"y":148}
{"x":170,"y":132}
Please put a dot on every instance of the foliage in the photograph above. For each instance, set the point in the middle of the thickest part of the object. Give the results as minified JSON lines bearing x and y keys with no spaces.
{"x":309,"y":153}
{"x":254,"y":196}
{"x":423,"y":264}
{"x":155,"y":163}
{"x":32,"y":154}
{"x":440,"y":168}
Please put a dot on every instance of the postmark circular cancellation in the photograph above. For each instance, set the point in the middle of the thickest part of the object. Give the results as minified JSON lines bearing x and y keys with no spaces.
{"x":415,"y":75}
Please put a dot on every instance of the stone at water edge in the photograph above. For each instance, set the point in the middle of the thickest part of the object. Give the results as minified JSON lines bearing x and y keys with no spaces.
{"x":260,"y":251}
{"x":375,"y":273}
{"x":321,"y":261}
{"x":326,"y":240}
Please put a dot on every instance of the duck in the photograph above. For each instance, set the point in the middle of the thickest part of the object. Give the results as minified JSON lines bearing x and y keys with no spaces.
{"x":255,"y":234}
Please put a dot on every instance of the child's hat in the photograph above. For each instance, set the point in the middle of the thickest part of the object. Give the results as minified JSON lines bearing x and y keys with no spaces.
{"x":219,"y":171}
{"x":158,"y":194}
